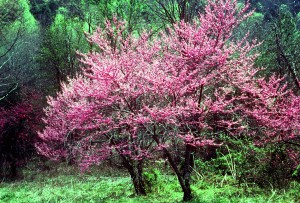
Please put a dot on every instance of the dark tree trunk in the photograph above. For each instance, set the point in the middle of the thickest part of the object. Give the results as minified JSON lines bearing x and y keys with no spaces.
{"x":187,"y":170}
{"x":136,"y":176}
{"x":135,"y":171}
{"x":184,"y":175}
{"x":284,"y":62}
{"x":140,"y":177}
{"x":13,"y":169}
{"x":183,"y":178}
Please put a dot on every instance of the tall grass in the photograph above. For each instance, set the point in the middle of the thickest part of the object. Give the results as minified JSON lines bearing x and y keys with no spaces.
{"x":67,"y":185}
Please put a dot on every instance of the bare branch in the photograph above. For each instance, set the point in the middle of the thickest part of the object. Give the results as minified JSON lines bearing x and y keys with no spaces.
{"x":13,"y":44}
{"x":9,"y":92}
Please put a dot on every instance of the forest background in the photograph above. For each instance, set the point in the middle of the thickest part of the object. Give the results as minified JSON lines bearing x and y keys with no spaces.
{"x":40,"y":42}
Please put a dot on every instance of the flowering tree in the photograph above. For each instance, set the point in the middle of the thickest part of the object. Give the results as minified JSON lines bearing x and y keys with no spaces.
{"x":212,"y":87}
{"x":18,"y":125}
{"x":137,"y":96}
{"x":200,"y":66}
{"x":98,"y":115}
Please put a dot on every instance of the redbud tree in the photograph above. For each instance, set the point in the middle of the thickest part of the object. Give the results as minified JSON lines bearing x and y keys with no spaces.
{"x":18,"y":126}
{"x":99,"y":114}
{"x":214,"y":88}
{"x":138,"y":98}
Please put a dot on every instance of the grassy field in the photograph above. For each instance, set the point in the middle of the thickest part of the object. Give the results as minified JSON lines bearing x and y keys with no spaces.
{"x":67,"y":185}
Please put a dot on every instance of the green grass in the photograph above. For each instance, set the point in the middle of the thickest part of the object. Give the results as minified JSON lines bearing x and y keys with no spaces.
{"x":69,"y":186}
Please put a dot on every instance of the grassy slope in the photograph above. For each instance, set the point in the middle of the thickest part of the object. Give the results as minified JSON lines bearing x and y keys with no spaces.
{"x":68,"y":187}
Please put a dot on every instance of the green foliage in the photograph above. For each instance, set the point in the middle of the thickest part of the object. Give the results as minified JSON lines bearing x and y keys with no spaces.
{"x":63,"y":38}
{"x":137,"y":13}
{"x":23,"y":23}
{"x":242,"y":162}
{"x":280,"y":50}
{"x":10,"y":11}
{"x":68,"y":27}
{"x":19,"y":41}
{"x":170,"y":11}
{"x":15,"y":17}
{"x":44,"y":10}
{"x":252,"y":26}
{"x":64,"y":186}
{"x":296,"y":171}
{"x":151,"y":178}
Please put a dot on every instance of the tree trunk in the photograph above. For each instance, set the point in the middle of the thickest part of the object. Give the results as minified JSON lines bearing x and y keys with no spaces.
{"x":136,"y":176}
{"x":140,"y":177}
{"x":184,"y":177}
{"x":186,"y":171}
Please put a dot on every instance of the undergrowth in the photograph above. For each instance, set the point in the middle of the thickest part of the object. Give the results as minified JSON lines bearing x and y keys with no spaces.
{"x":67,"y":185}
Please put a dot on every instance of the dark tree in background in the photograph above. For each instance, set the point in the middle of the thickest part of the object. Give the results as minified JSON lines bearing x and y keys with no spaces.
{"x":44,"y":11}
{"x":271,"y":7}
{"x":19,"y":101}
{"x":280,"y":50}
{"x":172,"y":11}
{"x":9,"y":13}
{"x":18,"y":126}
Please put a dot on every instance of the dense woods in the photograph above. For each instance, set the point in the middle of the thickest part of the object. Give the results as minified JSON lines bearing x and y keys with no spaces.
{"x":192,"y":83}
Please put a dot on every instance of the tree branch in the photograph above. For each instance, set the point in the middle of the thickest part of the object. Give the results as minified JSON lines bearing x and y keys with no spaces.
{"x":13,"y":44}
{"x":286,"y":61}
{"x":10,"y":91}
